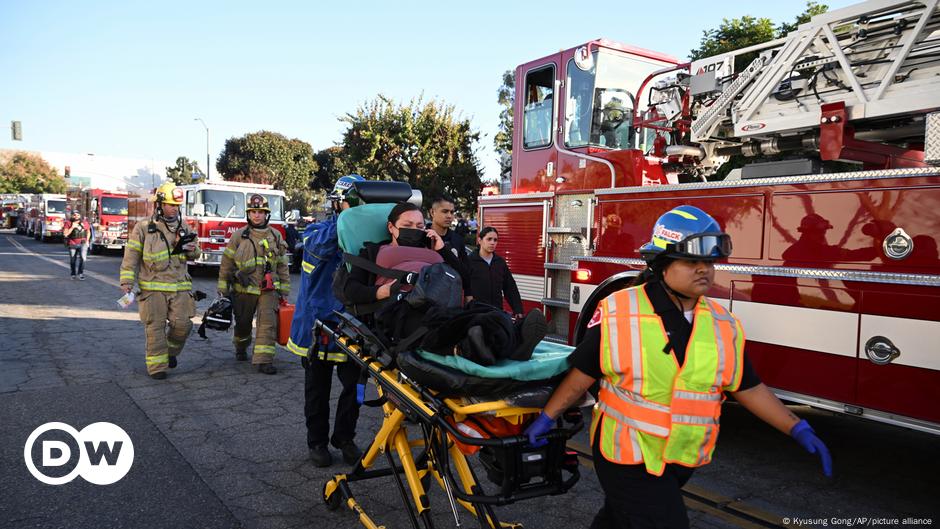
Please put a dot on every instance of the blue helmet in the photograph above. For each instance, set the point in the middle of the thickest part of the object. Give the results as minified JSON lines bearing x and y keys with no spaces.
{"x":686,"y":232}
{"x":342,"y":187}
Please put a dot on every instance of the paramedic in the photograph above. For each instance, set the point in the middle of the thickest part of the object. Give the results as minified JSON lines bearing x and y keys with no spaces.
{"x":656,"y":418}
{"x":490,"y":278}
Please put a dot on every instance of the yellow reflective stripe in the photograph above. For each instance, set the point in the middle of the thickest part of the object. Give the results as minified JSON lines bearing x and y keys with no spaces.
{"x":684,"y":214}
{"x":307,"y":267}
{"x":296,"y":349}
{"x":333,"y":357}
{"x":222,"y":285}
{"x":265,"y":350}
{"x":158,"y":359}
{"x":128,"y":274}
{"x":171,"y":343}
{"x":135,"y":245}
{"x":247,"y":290}
{"x":229,"y":252}
{"x":254,"y":261}
{"x":166,"y":287}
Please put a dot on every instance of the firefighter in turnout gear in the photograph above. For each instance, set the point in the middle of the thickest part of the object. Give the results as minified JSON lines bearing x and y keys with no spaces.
{"x":665,"y":355}
{"x":254,"y":266}
{"x":155,"y":259}
{"x":315,"y":300}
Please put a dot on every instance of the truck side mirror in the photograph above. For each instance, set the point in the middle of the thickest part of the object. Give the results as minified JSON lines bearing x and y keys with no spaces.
{"x":199,"y":210}
{"x":293,"y":215}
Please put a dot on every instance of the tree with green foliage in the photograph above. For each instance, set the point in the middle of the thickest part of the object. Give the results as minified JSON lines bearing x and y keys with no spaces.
{"x":738,"y":33}
{"x":331,"y":165}
{"x":29,"y":173}
{"x":427,"y":145}
{"x":266,"y":157}
{"x":182,"y":172}
{"x":502,"y":141}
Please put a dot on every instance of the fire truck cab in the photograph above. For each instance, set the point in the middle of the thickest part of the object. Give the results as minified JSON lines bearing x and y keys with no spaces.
{"x":47,"y":216}
{"x":835,"y":276}
{"x":107,"y":213}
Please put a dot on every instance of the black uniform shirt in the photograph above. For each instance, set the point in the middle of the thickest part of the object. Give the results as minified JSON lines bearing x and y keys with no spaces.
{"x":586,"y":356}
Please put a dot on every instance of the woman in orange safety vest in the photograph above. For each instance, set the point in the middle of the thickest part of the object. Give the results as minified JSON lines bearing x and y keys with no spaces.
{"x":664,"y":355}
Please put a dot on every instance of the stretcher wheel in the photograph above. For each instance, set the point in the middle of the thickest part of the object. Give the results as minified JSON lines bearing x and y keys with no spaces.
{"x":331,"y":495}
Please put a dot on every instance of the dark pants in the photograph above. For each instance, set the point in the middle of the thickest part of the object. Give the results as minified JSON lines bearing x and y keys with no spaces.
{"x":636,"y":499}
{"x":317,"y":381}
{"x":75,"y":254}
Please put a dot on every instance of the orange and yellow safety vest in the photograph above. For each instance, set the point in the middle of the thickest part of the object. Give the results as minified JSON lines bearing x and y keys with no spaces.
{"x":651,"y":410}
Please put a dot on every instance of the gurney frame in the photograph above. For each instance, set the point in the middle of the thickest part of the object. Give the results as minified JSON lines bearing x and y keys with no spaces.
{"x":407,"y":405}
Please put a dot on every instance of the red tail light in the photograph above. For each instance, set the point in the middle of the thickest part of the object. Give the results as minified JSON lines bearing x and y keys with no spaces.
{"x":582,"y":274}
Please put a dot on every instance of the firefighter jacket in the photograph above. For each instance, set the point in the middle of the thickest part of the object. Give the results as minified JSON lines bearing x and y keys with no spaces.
{"x":315,"y":300}
{"x":148,"y":258}
{"x":246,"y":259}
{"x":651,"y":410}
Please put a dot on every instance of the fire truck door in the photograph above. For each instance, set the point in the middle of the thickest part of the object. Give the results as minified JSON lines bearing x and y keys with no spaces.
{"x":521,"y":243}
{"x":535,"y":128}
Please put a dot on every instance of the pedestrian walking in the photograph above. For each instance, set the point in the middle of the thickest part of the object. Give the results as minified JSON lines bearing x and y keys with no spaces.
{"x":315,"y":300}
{"x":254,"y":265}
{"x":77,"y":235}
{"x":155,"y":259}
{"x":491,"y":280}
{"x":665,"y":356}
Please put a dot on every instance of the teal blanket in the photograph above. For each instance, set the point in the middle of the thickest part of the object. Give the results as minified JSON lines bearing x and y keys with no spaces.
{"x":548,"y":359}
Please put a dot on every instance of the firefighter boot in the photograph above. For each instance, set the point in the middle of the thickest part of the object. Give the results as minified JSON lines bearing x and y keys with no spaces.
{"x":267,"y":369}
{"x":241,"y":348}
{"x":320,"y":455}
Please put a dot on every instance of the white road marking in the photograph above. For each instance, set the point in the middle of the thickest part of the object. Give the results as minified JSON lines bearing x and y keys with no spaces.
{"x":58,"y":262}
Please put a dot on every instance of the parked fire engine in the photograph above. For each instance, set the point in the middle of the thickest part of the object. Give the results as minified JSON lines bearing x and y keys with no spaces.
{"x":214,"y":210}
{"x":835,"y":275}
{"x":46,"y":216}
{"x":107,"y":213}
{"x":10,"y":204}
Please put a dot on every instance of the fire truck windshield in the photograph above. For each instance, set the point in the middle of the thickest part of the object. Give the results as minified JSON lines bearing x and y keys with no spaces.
{"x":113,"y":206}
{"x":55,"y":206}
{"x":276,"y":203}
{"x":600,"y":101}
{"x":225,"y":204}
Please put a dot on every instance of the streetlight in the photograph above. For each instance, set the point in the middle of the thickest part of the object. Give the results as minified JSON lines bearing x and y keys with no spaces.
{"x":208,"y":170}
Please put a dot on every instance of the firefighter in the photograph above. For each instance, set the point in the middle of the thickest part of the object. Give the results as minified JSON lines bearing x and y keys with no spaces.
{"x":665,"y":356}
{"x":254,"y":265}
{"x":321,"y":257}
{"x":155,"y":259}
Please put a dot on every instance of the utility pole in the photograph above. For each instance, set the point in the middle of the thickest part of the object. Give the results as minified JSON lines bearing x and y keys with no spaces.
{"x":208,"y":170}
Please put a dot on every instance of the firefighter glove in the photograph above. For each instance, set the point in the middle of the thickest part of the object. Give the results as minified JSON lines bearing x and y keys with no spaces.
{"x":243,"y":277}
{"x":536,"y":431}
{"x":804,"y":434}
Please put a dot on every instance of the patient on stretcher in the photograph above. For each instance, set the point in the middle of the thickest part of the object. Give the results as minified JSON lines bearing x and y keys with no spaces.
{"x":479,"y":332}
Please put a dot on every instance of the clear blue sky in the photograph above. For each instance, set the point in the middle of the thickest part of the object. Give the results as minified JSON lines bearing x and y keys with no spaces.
{"x":127,"y":78}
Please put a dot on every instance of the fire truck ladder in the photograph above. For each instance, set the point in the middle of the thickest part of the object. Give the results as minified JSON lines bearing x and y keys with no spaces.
{"x":881,"y":58}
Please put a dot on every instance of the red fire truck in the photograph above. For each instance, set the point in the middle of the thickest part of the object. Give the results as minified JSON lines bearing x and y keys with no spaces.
{"x":107,"y":212}
{"x":214,"y":210}
{"x":835,"y":275}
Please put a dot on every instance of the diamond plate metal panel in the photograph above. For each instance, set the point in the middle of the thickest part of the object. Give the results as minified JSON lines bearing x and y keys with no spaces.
{"x":932,"y":139}
{"x":568,"y":246}
{"x":558,"y":323}
{"x":568,"y":212}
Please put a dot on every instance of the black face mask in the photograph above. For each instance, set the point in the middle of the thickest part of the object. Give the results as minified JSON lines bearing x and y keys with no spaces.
{"x":412,"y":237}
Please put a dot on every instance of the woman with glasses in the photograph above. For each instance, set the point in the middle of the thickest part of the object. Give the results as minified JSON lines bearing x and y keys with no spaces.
{"x":665,"y":356}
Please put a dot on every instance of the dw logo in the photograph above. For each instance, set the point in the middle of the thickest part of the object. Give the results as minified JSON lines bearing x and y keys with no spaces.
{"x":102,"y":453}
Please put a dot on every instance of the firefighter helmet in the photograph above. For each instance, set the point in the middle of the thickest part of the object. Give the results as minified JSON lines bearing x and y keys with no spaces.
{"x":686,"y":232}
{"x":258,"y":202}
{"x":168,"y":193}
{"x":343,"y":186}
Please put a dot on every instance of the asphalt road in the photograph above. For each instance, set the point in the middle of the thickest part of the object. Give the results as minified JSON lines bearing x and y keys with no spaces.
{"x":220,"y":445}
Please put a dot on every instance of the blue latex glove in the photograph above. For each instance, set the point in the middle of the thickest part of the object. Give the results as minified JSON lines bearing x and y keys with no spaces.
{"x":539,"y":427}
{"x":804,"y":434}
{"x":360,"y":394}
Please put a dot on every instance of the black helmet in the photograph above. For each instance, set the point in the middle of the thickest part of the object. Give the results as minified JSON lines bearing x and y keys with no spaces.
{"x":218,"y":316}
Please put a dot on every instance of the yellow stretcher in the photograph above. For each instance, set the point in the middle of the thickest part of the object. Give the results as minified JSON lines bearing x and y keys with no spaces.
{"x":421,"y":430}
